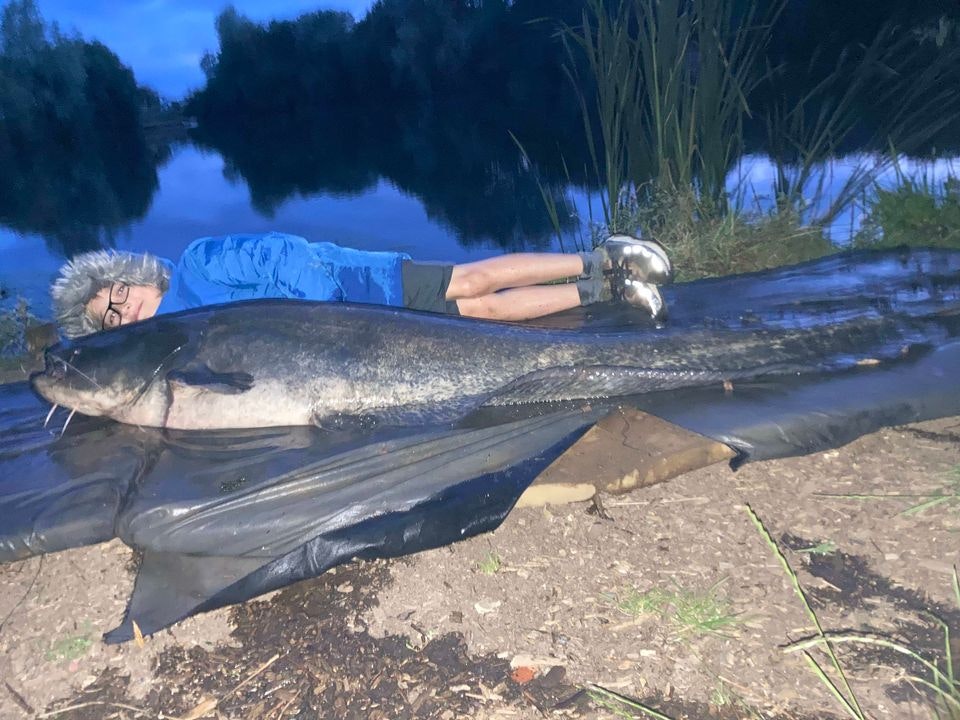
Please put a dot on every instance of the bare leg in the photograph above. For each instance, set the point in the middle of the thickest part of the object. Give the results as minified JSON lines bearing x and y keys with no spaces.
{"x":515,"y":270}
{"x":521,"y":303}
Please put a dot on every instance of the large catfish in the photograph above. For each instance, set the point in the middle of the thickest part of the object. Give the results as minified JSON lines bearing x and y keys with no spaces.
{"x":287,"y":362}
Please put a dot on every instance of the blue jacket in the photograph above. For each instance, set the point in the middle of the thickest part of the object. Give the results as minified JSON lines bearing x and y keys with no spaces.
{"x":276,"y":265}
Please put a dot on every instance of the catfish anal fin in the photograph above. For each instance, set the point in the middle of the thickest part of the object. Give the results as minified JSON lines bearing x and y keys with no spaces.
{"x":346,"y":422}
{"x":594,"y":381}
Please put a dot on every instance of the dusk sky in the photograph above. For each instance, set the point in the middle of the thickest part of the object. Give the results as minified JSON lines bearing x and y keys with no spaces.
{"x":163,"y":40}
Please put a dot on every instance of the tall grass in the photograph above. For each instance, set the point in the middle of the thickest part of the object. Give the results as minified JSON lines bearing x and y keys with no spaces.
{"x":556,"y":201}
{"x":705,"y":241}
{"x":671,"y":82}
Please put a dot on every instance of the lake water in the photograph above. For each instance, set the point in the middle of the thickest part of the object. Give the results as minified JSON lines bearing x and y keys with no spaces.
{"x":195,"y":198}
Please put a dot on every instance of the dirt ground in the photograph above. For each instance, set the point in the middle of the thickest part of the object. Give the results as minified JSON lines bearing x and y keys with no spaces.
{"x":669,"y":596}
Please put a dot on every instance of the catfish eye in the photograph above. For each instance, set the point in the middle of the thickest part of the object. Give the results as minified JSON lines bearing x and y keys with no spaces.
{"x":56,"y":368}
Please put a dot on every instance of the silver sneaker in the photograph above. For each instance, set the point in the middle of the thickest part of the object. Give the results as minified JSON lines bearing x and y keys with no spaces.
{"x":644,"y":295}
{"x":643,"y":260}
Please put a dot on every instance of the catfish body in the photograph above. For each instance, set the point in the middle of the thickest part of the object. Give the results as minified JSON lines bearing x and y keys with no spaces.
{"x":286,"y":362}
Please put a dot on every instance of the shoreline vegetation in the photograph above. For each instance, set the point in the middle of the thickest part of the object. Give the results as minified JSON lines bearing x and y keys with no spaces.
{"x":678,"y":84}
{"x":16,"y":357}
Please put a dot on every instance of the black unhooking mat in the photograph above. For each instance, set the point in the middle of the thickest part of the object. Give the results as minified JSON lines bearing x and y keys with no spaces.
{"x":224,"y":516}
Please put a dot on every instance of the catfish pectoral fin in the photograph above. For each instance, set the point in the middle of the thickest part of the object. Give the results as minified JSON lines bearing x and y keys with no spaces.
{"x":203,"y":378}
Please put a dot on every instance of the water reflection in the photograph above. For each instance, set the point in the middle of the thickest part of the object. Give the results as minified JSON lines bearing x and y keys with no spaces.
{"x":81,"y":194}
{"x":468,"y":175}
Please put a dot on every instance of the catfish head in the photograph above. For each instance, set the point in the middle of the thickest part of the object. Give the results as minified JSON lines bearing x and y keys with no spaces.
{"x":116,"y":373}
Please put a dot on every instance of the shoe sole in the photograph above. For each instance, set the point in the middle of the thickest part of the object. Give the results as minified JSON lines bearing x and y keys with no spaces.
{"x":652,"y":254}
{"x":645,"y":295}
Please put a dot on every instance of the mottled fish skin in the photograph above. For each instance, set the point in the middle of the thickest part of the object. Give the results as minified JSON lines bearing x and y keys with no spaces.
{"x":281,"y":362}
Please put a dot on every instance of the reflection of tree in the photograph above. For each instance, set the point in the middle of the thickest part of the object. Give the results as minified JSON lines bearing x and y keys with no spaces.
{"x":421,"y":92}
{"x":76,"y":165}
{"x":467,"y":172}
{"x":292,"y":155}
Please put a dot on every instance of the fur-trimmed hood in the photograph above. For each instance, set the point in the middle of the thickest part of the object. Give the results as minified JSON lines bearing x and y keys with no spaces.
{"x":86,"y":274}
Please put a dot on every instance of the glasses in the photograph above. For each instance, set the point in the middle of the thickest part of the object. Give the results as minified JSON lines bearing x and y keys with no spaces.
{"x":118,"y":296}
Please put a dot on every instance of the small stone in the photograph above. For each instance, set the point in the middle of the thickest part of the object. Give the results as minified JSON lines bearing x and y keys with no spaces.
{"x":534,"y":661}
{"x":485,"y":607}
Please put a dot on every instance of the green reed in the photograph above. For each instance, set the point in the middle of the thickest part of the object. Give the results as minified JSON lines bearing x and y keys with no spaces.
{"x":671,"y":79}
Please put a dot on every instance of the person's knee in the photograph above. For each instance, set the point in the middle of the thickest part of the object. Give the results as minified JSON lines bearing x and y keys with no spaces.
{"x":467,"y":281}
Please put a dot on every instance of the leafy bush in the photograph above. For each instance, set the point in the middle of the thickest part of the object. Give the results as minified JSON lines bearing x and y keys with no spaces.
{"x":914,"y":212}
{"x":13,"y":328}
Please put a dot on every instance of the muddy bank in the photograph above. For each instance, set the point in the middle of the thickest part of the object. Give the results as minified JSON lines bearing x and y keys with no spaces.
{"x":563,"y":595}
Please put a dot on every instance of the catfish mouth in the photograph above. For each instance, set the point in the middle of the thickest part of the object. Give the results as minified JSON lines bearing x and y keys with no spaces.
{"x":63,"y":383}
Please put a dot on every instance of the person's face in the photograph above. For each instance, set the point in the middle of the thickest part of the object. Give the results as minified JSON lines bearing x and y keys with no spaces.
{"x":121,"y":304}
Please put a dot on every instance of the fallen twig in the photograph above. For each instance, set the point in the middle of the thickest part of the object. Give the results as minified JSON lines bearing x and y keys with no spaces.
{"x":209,"y":705}
{"x":103,"y":703}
